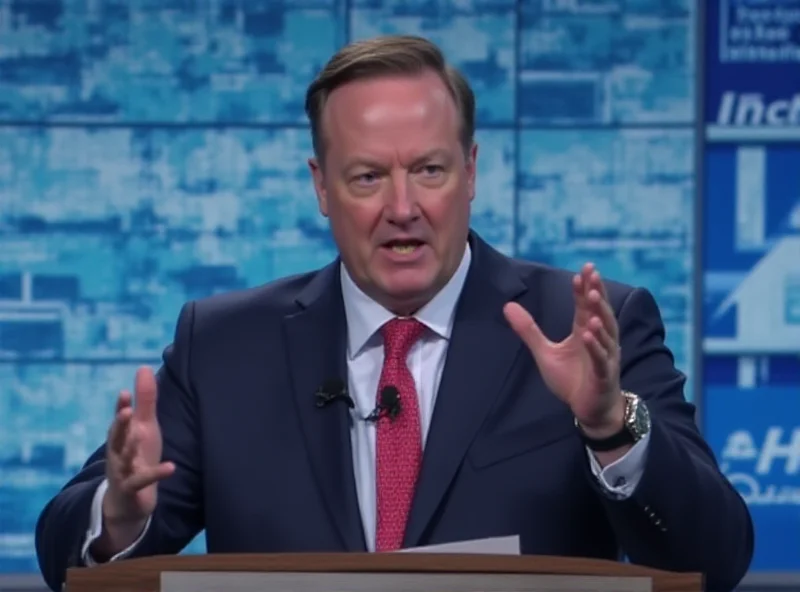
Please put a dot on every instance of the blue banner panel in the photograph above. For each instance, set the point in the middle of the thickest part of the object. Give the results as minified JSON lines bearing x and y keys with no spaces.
{"x":751,"y":249}
{"x":755,"y":434}
{"x":752,"y":70}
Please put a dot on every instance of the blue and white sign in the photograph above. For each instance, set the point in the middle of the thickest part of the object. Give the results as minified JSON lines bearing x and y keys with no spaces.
{"x":751,"y":250}
{"x":755,"y":434}
{"x":751,"y":272}
{"x":752,"y":70}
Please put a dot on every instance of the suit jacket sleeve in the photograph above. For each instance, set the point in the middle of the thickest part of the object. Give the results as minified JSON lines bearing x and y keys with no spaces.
{"x":684,"y":515}
{"x":63,"y":524}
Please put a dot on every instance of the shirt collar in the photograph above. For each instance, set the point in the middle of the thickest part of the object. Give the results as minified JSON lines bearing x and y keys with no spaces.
{"x":365,"y":316}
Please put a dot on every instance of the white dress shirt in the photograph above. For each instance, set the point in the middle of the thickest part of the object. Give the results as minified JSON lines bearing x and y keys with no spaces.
{"x":426,"y":362}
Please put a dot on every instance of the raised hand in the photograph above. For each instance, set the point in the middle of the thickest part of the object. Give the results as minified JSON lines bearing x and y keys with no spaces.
{"x":583,"y":370}
{"x":133,"y":456}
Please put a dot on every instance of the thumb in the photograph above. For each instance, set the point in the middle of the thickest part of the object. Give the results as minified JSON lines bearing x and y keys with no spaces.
{"x":523,"y":325}
{"x":146,"y":394}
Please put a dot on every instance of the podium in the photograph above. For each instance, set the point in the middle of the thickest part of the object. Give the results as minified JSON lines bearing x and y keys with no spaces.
{"x":375,"y":572}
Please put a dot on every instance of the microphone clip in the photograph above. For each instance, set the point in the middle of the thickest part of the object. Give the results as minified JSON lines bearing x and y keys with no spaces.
{"x":388,"y":405}
{"x":393,"y":411}
{"x":330,"y":392}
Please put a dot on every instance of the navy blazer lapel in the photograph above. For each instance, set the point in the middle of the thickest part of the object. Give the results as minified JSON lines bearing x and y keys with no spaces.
{"x":316,"y":337}
{"x":482,"y":351}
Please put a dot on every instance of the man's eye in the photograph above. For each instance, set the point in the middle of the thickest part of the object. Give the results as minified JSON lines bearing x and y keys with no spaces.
{"x":431,"y":170}
{"x":366,"y":178}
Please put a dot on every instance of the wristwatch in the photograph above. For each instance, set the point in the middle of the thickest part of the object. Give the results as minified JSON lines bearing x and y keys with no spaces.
{"x":636,"y":424}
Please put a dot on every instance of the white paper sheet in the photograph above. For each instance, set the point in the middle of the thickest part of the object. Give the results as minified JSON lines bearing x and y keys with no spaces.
{"x":508,"y":545}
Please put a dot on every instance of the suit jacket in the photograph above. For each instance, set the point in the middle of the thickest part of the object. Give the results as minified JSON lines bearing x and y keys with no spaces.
{"x":263,"y":469}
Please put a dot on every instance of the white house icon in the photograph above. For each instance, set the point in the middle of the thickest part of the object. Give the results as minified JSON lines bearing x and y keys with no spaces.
{"x":767,"y":305}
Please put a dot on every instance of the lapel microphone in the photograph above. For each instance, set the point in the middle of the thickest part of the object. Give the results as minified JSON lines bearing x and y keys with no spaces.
{"x":330,"y":391}
{"x":388,"y":405}
{"x":333,"y":390}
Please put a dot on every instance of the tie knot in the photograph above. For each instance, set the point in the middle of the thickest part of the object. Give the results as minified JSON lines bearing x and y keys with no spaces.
{"x":399,"y":335}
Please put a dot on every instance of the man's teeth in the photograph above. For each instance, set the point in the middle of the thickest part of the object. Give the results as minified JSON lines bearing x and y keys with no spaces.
{"x":404,"y":249}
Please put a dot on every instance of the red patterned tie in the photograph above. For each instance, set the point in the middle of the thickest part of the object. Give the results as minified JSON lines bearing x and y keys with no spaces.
{"x":399,"y":439}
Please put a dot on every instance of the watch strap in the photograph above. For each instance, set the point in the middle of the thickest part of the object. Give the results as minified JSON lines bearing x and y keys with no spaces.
{"x":618,"y":440}
{"x":625,"y":436}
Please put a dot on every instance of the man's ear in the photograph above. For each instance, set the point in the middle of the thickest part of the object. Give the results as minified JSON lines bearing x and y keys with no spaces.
{"x":472,"y":170}
{"x":319,"y":185}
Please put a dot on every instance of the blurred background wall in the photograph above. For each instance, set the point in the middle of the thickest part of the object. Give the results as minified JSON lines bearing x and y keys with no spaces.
{"x":154,"y":151}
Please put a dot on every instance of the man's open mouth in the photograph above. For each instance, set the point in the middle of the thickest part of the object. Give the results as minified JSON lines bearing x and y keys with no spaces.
{"x":404,"y":246}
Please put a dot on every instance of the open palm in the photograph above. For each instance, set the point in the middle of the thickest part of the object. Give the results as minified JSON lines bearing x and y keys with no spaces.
{"x":583,"y":369}
{"x":133,"y":455}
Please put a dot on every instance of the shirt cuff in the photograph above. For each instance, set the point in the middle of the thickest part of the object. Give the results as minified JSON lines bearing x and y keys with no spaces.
{"x":621,"y":477}
{"x":96,"y":528}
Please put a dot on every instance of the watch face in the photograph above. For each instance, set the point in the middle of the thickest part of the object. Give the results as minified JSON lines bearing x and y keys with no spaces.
{"x":639,"y":421}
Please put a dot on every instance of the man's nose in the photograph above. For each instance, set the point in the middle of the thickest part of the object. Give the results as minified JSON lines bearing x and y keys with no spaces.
{"x":401,"y":204}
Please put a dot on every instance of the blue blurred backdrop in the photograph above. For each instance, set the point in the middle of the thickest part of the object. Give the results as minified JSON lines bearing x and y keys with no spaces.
{"x":154,"y":151}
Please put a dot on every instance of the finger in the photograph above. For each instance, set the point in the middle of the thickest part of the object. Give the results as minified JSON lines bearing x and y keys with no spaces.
{"x":525,"y":327}
{"x":597,"y":283}
{"x":580,"y":317}
{"x":146,"y":394}
{"x":598,"y":355}
{"x":120,"y":460}
{"x":580,"y":288}
{"x":118,"y":432}
{"x":123,"y":400}
{"x":587,"y":270}
{"x":603,"y":337}
{"x":144,"y":476}
{"x":602,"y":309}
{"x":131,"y":446}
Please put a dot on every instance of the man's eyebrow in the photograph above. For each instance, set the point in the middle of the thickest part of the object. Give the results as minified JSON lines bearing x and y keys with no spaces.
{"x":371,"y":163}
{"x":434,"y":154}
{"x":363,"y":161}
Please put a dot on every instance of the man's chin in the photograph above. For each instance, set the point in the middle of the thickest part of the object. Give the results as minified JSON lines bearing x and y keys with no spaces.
{"x":409,"y":295}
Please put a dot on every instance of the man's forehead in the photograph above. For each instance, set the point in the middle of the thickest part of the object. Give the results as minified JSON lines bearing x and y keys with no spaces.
{"x":372,"y":97}
{"x":408,"y":114}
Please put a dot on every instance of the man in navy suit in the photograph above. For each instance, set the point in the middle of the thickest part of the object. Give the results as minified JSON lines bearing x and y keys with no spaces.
{"x":509,"y":397}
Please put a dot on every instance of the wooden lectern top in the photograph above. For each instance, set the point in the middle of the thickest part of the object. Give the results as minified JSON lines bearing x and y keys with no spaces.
{"x":144,"y":574}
